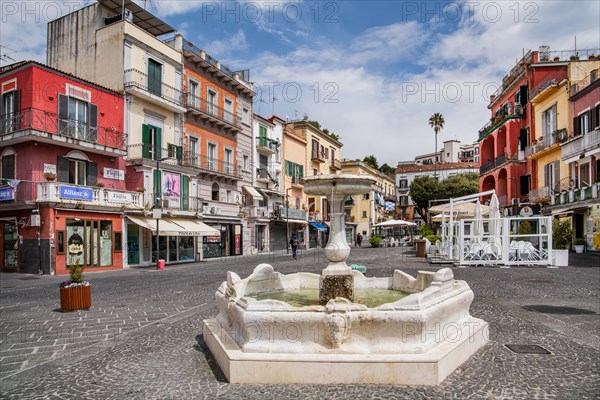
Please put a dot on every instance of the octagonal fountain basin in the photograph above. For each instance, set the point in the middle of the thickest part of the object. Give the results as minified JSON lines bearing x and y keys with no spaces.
{"x":407,"y":330}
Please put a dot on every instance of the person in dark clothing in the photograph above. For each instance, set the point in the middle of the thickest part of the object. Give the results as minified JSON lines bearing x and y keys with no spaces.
{"x":358,"y":239}
{"x":294,"y":245}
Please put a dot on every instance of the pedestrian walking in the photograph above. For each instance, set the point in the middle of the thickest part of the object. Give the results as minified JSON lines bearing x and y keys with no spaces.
{"x":294,"y":246}
{"x":358,"y":239}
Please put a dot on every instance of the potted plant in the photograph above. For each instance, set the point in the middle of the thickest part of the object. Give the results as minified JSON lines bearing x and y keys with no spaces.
{"x":50,"y":176}
{"x":579,"y":245}
{"x":140,"y":189}
{"x":76,"y":293}
{"x":375,"y":241}
{"x":562,"y":233}
{"x":100,"y":184}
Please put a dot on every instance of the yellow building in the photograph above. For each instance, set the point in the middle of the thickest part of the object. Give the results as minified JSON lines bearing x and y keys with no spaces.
{"x":362,"y":212}
{"x":552,"y":127}
{"x":296,"y":221}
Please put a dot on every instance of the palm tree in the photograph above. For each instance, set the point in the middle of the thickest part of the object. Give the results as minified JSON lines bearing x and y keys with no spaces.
{"x":436,"y":121}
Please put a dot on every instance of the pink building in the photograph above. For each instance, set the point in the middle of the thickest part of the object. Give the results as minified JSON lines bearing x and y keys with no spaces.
{"x":62,"y":192}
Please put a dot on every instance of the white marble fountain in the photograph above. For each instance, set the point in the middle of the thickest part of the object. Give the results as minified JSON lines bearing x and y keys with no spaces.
{"x":340,"y":326}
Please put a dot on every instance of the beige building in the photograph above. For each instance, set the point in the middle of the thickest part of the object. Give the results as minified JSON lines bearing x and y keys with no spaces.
{"x":364,"y":211}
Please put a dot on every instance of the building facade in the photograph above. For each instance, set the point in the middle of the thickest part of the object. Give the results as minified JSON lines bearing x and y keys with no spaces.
{"x":63,"y":191}
{"x":369,"y":209}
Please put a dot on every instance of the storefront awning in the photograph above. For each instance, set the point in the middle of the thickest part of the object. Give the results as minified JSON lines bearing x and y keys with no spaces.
{"x":252,"y":192}
{"x":180,"y":227}
{"x":196,"y":228}
{"x":318,"y":226}
{"x":295,"y":221}
{"x":269,"y":192}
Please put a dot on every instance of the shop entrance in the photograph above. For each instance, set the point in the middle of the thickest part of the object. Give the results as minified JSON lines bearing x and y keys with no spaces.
{"x":10,"y":246}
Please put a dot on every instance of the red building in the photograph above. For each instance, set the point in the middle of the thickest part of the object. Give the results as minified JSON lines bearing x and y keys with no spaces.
{"x":62,"y":193}
{"x":503,"y":140}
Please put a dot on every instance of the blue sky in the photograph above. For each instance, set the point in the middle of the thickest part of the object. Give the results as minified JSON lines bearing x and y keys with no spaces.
{"x":371,"y":71}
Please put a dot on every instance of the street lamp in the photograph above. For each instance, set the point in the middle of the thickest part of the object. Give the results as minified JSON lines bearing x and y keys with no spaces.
{"x":157,"y":212}
{"x":287,"y":219}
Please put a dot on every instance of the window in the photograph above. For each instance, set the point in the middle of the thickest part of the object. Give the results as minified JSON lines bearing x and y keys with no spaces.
{"x":10,"y":117}
{"x":154,"y":77}
{"x":366,"y":196}
{"x":262,"y":136}
{"x":584,"y":123}
{"x":194,"y":151}
{"x":549,"y":121}
{"x":364,"y":214}
{"x":332,"y":154}
{"x":77,"y":172}
{"x":584,"y":175}
{"x":246,"y":116}
{"x":297,"y":203}
{"x":174,"y":151}
{"x":151,"y":142}
{"x":8,"y":166}
{"x":315,"y":149}
{"x":215,"y":192}
{"x":552,"y":176}
{"x":245,"y":163}
{"x":228,"y":110}
{"x":229,"y":161}
{"x":212,"y":156}
{"x":212,"y":101}
{"x":77,"y":118}
{"x":60,"y":242}
{"x":228,"y":196}
{"x":315,"y":172}
{"x":403,"y":184}
{"x":194,"y":94}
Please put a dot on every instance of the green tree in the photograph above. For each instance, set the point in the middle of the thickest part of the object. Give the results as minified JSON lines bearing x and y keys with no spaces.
{"x":459,"y":185}
{"x":423,"y":189}
{"x":386,"y":169}
{"x":371,"y":161}
{"x":436,"y":121}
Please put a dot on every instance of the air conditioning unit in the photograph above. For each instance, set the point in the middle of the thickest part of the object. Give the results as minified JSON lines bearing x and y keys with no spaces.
{"x":515,"y":201}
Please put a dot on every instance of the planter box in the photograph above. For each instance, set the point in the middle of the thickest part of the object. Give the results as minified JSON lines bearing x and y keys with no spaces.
{"x":560,"y":258}
{"x":75,"y":298}
{"x":579,"y":248}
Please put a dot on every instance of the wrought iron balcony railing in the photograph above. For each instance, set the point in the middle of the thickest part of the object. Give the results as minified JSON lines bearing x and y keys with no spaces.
{"x":581,"y":144}
{"x":318,"y":155}
{"x":267,"y":144}
{"x":49,"y":122}
{"x":488,"y":166}
{"x":335,"y":164}
{"x":205,"y":107}
{"x":137,"y":79}
{"x":540,"y":193}
{"x":142,"y":152}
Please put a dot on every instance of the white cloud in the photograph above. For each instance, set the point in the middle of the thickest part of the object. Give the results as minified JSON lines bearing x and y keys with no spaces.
{"x":226,"y":46}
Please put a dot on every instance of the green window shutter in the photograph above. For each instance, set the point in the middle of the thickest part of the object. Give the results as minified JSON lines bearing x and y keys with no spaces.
{"x":262,"y":131}
{"x":158,"y":141}
{"x":157,"y":183}
{"x":185,"y":192}
{"x":179,"y":151}
{"x":287,"y":168}
{"x":145,"y":141}
{"x":170,"y":150}
{"x":300,"y":170}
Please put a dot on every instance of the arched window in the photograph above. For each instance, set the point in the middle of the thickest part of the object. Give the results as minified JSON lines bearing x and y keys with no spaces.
{"x":8,"y":168}
{"x":215,"y":191}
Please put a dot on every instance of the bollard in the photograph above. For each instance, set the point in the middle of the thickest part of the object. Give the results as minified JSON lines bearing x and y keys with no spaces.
{"x":161,"y":265}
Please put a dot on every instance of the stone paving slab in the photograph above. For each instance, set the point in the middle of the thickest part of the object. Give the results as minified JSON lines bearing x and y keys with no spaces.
{"x":159,"y":352}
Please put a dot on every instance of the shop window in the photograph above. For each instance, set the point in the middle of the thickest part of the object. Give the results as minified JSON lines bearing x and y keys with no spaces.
{"x":89,"y":243}
{"x":60,"y":242}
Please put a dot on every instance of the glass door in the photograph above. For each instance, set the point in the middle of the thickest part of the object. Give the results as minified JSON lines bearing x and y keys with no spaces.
{"x":133,"y":244}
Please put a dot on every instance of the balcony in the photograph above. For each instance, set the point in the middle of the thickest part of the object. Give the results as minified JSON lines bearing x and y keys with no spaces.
{"x":335,"y":165}
{"x":540,"y":195}
{"x":47,"y":127}
{"x":501,"y":159}
{"x":257,"y":212}
{"x":487,"y":167}
{"x":212,"y":113}
{"x":581,"y":144}
{"x":578,"y":195}
{"x":291,"y":213}
{"x":317,"y":156}
{"x":267,"y":146}
{"x":136,"y":83}
{"x":297,"y":181}
{"x":545,"y":142}
{"x":29,"y":193}
{"x":349,"y":218}
{"x":144,"y":154}
{"x":265,"y":174}
{"x":517,"y":113}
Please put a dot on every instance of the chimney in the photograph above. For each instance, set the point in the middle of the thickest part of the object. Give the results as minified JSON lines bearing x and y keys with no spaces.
{"x":178,"y":42}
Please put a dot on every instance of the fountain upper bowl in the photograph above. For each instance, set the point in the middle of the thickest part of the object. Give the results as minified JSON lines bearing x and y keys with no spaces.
{"x":343,"y":183}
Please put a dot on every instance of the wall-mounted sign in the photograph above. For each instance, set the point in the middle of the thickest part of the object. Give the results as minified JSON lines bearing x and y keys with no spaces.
{"x":526,"y":212}
{"x":7,"y":194}
{"x":50,"y":168}
{"x":115,"y":174}
{"x":119,"y":197}
{"x":76,"y":193}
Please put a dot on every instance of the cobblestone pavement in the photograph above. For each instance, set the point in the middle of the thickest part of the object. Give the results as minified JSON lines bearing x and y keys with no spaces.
{"x":142,"y":337}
